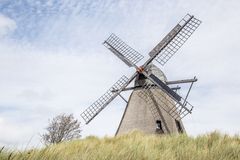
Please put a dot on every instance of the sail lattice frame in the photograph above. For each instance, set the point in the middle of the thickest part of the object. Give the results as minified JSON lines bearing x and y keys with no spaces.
{"x":123,"y":51}
{"x":104,"y":100}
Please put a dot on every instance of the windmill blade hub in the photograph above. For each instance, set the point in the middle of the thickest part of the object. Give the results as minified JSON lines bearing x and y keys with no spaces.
{"x":150,"y":69}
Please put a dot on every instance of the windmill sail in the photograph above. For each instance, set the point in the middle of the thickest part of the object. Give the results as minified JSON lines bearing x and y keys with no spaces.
{"x":123,"y":51}
{"x":165,"y":87}
{"x":175,"y":39}
{"x":184,"y":107}
{"x":173,"y":108}
{"x":104,"y":100}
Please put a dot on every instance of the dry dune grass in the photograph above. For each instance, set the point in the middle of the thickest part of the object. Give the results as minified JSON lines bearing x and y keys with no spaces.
{"x":136,"y":145}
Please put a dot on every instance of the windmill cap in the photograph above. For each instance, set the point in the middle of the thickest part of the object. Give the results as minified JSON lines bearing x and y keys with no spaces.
{"x":150,"y":69}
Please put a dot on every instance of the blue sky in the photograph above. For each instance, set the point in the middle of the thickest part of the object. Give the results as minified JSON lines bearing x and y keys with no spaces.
{"x":52,"y":61}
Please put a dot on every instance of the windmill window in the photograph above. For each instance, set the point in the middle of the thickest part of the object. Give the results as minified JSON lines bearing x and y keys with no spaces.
{"x":159,"y":126}
{"x":179,"y":126}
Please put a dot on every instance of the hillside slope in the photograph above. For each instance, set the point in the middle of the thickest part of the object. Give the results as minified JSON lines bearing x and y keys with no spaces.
{"x":138,"y":146}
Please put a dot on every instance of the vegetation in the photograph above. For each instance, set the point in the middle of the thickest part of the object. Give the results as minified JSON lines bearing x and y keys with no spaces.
{"x":136,"y":145}
{"x":62,"y":128}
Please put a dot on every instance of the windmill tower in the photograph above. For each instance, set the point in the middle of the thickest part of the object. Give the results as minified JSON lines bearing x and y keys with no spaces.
{"x":151,"y":112}
{"x":154,"y":106}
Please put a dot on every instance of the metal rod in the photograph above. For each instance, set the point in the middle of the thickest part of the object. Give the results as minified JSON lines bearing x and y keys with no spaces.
{"x":122,"y":98}
{"x":188,"y":92}
{"x":129,"y":88}
{"x":136,"y":87}
{"x":176,"y":88}
{"x":182,"y":81}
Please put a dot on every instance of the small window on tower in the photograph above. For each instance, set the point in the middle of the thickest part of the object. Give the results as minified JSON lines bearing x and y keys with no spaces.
{"x":179,"y":126}
{"x":159,"y":128}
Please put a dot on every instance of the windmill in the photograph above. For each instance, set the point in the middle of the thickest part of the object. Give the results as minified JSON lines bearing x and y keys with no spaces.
{"x":153,"y":106}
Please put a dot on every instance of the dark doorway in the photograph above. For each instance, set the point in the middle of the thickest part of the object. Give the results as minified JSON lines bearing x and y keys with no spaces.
{"x":179,"y":126}
{"x":159,"y":128}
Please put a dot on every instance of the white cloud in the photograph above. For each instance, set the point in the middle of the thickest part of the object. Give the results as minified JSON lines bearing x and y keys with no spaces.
{"x":38,"y":85}
{"x":7,"y":25}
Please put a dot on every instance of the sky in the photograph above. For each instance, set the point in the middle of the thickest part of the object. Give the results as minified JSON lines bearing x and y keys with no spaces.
{"x":52,"y":61}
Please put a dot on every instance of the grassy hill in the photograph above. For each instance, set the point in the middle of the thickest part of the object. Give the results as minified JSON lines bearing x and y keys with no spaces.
{"x":136,"y":145}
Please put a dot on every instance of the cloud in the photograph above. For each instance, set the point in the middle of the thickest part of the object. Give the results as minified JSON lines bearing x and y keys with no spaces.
{"x":7,"y":25}
{"x":39,"y":85}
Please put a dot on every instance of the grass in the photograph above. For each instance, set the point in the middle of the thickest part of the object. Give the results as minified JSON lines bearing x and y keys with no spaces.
{"x":136,"y":145}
